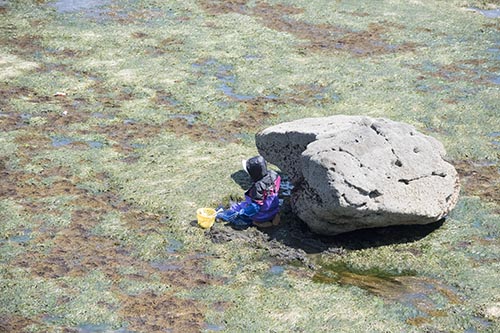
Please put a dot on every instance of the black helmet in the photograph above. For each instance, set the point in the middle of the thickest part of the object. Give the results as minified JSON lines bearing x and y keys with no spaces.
{"x":256,"y":167}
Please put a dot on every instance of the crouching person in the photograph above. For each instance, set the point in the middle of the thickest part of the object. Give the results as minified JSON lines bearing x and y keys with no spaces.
{"x":261,"y":205}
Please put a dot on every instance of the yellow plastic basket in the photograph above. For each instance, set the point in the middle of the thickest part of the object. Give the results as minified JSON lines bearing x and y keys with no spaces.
{"x":206,"y":217}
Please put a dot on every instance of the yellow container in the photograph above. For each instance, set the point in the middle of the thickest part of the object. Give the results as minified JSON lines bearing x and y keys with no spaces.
{"x":206,"y":217}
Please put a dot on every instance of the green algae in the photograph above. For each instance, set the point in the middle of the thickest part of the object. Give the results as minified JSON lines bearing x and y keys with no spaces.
{"x":334,"y":273}
{"x":118,"y":122}
{"x":14,"y":221}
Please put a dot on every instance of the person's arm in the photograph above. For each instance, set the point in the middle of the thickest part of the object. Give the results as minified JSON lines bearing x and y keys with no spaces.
{"x":250,"y":210}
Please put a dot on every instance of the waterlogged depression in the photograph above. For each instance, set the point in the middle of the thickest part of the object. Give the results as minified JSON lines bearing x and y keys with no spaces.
{"x":69,"y":6}
{"x":120,"y":119}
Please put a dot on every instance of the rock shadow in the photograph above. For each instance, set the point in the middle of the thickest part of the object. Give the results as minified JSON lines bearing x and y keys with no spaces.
{"x":292,"y":236}
{"x":293,"y":233}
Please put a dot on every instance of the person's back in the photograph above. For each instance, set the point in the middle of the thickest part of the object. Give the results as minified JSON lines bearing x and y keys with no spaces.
{"x":264,"y":192}
{"x":261,"y":203}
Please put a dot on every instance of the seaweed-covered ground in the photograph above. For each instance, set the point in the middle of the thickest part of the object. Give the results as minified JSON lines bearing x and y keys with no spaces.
{"x":120,"y":118}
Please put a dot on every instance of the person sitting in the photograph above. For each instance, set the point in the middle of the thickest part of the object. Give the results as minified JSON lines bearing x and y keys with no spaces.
{"x":261,"y":205}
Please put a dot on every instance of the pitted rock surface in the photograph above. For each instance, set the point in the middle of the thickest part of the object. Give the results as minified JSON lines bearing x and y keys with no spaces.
{"x":354,"y":172}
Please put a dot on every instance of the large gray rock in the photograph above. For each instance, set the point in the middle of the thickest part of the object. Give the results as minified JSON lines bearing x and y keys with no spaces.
{"x":353,"y":172}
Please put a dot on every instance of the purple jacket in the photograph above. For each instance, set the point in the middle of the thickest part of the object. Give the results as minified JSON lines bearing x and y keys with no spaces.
{"x":263,"y":193}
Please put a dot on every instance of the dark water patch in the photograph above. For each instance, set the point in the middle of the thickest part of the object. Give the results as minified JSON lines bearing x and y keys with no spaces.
{"x":4,"y":6}
{"x":100,"y":328}
{"x":166,"y":266}
{"x":213,"y":328}
{"x":25,"y":237}
{"x":489,"y":13}
{"x":138,"y":145}
{"x":251,"y":57}
{"x":95,"y":144}
{"x":71,"y":6}
{"x":26,"y":117}
{"x":223,"y":73}
{"x":61,"y":141}
{"x":480,"y":325}
{"x":493,"y":50}
{"x":272,"y":97}
{"x":189,"y":118}
{"x":276,"y":270}
{"x":173,"y":245}
{"x":495,"y":80}
{"x":229,"y":92}
{"x":100,"y":115}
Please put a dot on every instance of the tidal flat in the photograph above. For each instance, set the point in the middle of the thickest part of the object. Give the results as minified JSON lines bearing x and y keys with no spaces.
{"x":118,"y":119}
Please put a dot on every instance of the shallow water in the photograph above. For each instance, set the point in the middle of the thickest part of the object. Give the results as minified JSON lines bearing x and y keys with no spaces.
{"x":276,"y":270}
{"x":166,"y":266}
{"x":70,"y":6}
{"x":190,"y":118}
{"x":214,"y":328}
{"x":100,"y":328}
{"x":61,"y":141}
{"x":489,"y":13}
{"x":23,"y":238}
